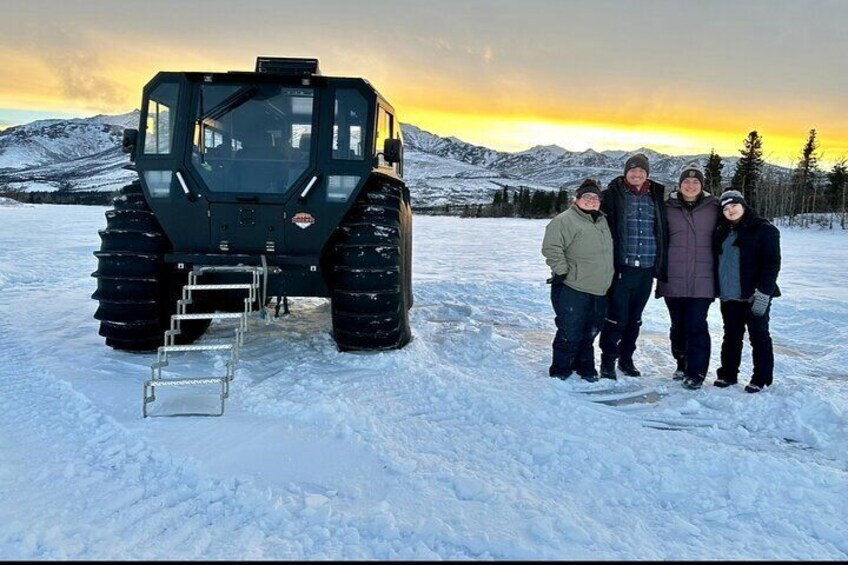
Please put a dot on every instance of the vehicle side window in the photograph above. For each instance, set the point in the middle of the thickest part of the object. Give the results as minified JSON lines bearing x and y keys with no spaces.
{"x":387,"y":128}
{"x":384,"y":132}
{"x":351,"y":111}
{"x":159,"y":134}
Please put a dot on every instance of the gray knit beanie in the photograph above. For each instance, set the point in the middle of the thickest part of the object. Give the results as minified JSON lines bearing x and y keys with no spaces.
{"x":732,"y":197}
{"x":691,"y":171}
{"x":638,"y":160}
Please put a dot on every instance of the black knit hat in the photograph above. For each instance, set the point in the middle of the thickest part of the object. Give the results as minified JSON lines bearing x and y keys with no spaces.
{"x":589,"y":185}
{"x":691,"y":171}
{"x":732,"y":197}
{"x":638,"y":160}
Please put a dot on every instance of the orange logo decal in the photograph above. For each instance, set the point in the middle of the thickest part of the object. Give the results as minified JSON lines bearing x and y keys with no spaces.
{"x":303,"y":220}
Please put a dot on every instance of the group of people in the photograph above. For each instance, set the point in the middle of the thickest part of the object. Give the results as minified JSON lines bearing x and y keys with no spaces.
{"x":608,"y":247}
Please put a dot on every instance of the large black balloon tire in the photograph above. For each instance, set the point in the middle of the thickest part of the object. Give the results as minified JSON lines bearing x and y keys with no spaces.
{"x":371,"y":282}
{"x":136,"y":290}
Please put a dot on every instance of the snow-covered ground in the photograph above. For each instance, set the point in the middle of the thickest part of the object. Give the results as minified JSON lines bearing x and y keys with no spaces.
{"x":456,"y":447}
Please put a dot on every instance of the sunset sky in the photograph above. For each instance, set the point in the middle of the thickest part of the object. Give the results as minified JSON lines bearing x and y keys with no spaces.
{"x":680,"y":76}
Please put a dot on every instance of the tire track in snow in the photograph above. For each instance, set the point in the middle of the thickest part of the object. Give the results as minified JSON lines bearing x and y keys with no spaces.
{"x":135,"y":502}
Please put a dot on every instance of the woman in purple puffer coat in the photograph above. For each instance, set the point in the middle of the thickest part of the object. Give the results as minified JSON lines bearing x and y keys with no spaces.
{"x":690,"y":288}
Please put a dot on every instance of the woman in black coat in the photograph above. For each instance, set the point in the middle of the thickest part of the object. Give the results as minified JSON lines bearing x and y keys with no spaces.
{"x":748,"y":262}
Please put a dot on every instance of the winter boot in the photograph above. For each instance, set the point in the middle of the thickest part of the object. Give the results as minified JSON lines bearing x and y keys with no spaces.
{"x":559,"y":376}
{"x":725,"y":378}
{"x":590,"y":377}
{"x":723,"y":382}
{"x":680,"y":372}
{"x":693,"y":383}
{"x":626,"y":366}
{"x":754,"y":387}
{"x":608,"y":367}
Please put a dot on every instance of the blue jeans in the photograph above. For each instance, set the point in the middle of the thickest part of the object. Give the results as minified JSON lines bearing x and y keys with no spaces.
{"x":579,"y":317}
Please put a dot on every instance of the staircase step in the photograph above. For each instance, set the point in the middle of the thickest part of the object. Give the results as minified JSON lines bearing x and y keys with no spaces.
{"x":208,"y":316}
{"x":227,"y":269}
{"x":218,"y":286}
{"x":186,"y":382}
{"x":211,"y":347}
{"x":252,"y":289}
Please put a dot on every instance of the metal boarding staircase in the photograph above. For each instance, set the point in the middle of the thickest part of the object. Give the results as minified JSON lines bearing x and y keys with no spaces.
{"x":255,"y":296}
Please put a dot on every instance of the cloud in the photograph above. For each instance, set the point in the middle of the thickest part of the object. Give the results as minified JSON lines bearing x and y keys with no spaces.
{"x":59,"y":58}
{"x":731,"y":68}
{"x":78,"y":74}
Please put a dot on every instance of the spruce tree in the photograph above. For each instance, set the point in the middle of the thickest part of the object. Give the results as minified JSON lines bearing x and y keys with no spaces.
{"x":525,"y":202}
{"x":508,"y":206}
{"x":541,"y":203}
{"x":561,"y":200}
{"x":498,"y":205}
{"x":806,"y":176}
{"x":550,"y":202}
{"x":837,"y":187}
{"x":712,"y":173}
{"x":749,"y":169}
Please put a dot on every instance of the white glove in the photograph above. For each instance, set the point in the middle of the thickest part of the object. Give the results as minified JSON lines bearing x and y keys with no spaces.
{"x":759,"y":303}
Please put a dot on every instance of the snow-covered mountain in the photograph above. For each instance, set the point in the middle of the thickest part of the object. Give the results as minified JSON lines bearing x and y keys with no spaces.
{"x":84,"y":154}
{"x":47,"y":142}
{"x":542,"y":166}
{"x":72,"y":154}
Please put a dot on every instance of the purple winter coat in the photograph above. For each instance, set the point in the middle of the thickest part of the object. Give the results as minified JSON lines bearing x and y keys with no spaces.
{"x":690,"y":250}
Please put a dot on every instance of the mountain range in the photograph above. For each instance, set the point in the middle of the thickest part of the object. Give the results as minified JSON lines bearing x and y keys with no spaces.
{"x":84,"y":154}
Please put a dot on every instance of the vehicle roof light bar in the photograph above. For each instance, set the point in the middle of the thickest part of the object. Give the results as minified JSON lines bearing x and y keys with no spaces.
{"x":291,"y":66}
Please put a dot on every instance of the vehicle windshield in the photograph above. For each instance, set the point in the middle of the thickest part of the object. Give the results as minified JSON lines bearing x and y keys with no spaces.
{"x":252,"y":138}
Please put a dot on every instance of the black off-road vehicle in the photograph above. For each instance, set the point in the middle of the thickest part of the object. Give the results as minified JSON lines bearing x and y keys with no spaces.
{"x":281,"y":168}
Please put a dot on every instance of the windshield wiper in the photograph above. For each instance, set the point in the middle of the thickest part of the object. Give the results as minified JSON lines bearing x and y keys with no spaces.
{"x":229,"y":104}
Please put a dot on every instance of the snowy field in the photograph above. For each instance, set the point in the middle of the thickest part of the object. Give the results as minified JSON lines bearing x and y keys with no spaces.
{"x":457,"y":447}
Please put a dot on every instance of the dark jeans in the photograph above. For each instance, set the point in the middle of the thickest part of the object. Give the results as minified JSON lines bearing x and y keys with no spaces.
{"x":690,"y":333}
{"x":628,"y":295}
{"x":737,"y":316}
{"x":579,"y":317}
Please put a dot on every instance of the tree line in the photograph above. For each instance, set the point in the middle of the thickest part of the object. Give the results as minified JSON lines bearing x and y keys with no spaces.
{"x":805,"y":195}
{"x":84,"y":197}
{"x":65,"y":193}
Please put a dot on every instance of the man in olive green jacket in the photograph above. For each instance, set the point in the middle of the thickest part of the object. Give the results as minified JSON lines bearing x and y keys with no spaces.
{"x":578,"y":248}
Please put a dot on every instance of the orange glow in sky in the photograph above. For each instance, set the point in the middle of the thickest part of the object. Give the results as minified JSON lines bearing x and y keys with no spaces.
{"x":505,"y":75}
{"x":511,"y":133}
